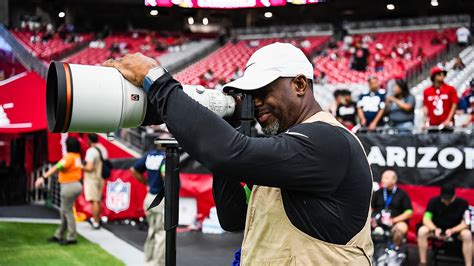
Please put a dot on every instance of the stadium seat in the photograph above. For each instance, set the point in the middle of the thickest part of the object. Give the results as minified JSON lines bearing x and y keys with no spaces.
{"x":223,"y":61}
{"x":96,"y":56}
{"x":54,"y":49}
{"x":419,"y":39}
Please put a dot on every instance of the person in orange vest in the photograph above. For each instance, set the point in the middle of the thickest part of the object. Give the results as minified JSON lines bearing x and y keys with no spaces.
{"x":70,"y":171}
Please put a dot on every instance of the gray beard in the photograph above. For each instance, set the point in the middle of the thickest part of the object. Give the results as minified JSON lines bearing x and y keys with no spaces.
{"x":271,"y":130}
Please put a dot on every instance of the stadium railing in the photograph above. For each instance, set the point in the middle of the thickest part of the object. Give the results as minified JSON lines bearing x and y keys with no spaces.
{"x":387,"y":130}
{"x":28,"y":60}
{"x":49,"y":194}
{"x":419,"y":23}
{"x":415,"y":75}
{"x":283,"y":31}
{"x":192,"y":52}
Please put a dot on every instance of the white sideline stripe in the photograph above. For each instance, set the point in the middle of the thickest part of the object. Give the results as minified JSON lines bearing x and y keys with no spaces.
{"x":17,"y":125}
{"x":30,"y":220}
{"x":13,"y":78}
{"x":120,"y":249}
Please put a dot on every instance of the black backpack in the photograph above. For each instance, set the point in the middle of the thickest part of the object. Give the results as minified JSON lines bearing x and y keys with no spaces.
{"x":106,"y":166}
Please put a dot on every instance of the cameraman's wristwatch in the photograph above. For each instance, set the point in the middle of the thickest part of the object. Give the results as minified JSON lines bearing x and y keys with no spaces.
{"x":153,"y":74}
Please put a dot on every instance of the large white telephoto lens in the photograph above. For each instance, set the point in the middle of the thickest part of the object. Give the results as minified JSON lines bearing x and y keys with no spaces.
{"x":219,"y":103}
{"x":91,"y":99}
{"x":83,"y":98}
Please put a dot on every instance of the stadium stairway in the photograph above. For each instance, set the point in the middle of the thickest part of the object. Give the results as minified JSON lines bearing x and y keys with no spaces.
{"x":53,"y":49}
{"x":28,"y":60}
{"x":191,"y":52}
{"x":224,"y":60}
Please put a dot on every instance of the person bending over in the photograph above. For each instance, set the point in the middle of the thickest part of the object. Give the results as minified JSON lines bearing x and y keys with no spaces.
{"x":310,"y":180}
{"x":444,"y":218}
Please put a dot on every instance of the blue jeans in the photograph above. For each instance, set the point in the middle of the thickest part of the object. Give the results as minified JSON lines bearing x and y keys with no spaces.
{"x":404,"y":127}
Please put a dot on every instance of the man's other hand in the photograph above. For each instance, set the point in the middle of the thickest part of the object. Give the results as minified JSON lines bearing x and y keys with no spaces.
{"x":134,"y":67}
{"x":449,"y":232}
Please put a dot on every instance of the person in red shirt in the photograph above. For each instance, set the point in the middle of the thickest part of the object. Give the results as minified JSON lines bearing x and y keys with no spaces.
{"x":440,"y":101}
{"x":203,"y":81}
{"x":467,"y":104}
{"x":379,"y":58}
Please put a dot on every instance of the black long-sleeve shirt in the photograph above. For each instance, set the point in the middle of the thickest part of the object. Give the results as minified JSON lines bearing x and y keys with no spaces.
{"x":321,"y":169}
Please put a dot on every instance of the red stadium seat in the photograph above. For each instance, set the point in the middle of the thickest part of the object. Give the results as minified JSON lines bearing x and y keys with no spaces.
{"x":96,"y":56}
{"x":55,"y":48}
{"x":223,"y":61}
{"x":420,"y":39}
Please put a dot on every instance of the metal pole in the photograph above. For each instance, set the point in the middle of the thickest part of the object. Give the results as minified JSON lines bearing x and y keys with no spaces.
{"x":171,"y":189}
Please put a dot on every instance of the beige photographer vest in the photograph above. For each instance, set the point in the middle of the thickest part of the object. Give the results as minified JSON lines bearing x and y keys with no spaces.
{"x":271,"y":239}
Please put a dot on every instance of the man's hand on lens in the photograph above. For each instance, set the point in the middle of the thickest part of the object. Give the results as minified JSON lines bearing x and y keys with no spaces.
{"x":134,"y":67}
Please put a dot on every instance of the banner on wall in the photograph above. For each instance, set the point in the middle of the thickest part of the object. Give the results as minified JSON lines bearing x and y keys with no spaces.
{"x":423,"y":159}
{"x":123,"y":195}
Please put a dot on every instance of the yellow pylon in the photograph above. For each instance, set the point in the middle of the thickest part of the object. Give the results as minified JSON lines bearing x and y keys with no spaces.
{"x":79,"y":216}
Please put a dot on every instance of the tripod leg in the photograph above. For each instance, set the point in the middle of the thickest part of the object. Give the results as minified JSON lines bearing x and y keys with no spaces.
{"x":171,"y":203}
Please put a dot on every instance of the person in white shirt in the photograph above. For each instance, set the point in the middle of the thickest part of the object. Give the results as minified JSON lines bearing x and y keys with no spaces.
{"x":93,"y":181}
{"x":463,"y":35}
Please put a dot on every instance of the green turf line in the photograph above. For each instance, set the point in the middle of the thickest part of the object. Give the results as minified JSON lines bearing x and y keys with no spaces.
{"x":25,"y":244}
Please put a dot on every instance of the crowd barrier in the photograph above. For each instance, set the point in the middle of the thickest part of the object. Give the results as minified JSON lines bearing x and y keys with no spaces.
{"x":423,"y":162}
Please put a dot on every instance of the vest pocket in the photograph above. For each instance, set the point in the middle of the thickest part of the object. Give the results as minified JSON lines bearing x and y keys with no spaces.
{"x":289,"y":261}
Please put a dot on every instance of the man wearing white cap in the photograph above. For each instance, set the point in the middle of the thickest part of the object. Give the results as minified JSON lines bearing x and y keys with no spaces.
{"x":310,"y":181}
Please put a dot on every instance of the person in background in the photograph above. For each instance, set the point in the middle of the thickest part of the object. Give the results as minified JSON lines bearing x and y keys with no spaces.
{"x":237,"y":73}
{"x":346,"y":111}
{"x":209,"y":75}
{"x":370,"y":107}
{"x":153,"y":162}
{"x":463,"y":36}
{"x":203,"y":81}
{"x":440,"y":102}
{"x":401,"y":107}
{"x":458,"y":64}
{"x":393,"y":205}
{"x":359,"y":57}
{"x":323,"y":79}
{"x":93,"y":180}
{"x":444,"y":218}
{"x":49,"y":33}
{"x":337,"y":100}
{"x":420,"y":55}
{"x":379,"y":58}
{"x":220,"y":84}
{"x":467,"y":104}
{"x":69,"y":168}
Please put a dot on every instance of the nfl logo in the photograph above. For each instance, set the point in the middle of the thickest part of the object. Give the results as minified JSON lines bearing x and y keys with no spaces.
{"x":118,"y":195}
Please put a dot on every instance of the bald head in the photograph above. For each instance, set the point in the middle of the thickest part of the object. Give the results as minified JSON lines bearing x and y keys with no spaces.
{"x":389,"y":179}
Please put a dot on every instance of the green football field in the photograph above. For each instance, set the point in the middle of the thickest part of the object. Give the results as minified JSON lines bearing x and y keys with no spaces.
{"x":25,"y":244}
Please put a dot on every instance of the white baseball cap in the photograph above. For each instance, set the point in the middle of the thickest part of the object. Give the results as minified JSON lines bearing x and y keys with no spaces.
{"x":270,"y":63}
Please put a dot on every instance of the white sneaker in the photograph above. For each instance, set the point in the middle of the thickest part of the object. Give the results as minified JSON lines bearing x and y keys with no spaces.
{"x":95,"y":225}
